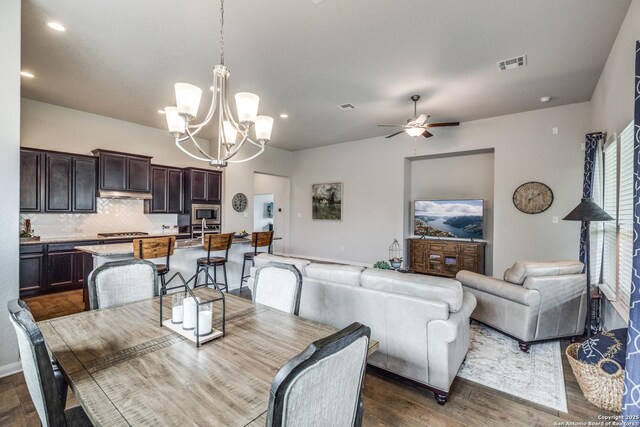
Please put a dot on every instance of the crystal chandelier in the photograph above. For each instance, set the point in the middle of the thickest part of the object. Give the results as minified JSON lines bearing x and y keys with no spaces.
{"x":229,"y":129}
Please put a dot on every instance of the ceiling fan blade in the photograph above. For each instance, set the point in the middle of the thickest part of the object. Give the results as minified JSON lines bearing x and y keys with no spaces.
{"x":420,"y":120}
{"x":394,"y":134}
{"x":427,"y":134}
{"x":438,"y":125}
{"x":390,"y":126}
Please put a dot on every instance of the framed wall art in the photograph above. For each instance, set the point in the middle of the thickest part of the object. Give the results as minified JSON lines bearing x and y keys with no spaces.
{"x":326,"y":201}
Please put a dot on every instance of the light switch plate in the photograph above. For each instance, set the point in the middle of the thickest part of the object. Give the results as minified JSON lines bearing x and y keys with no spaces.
{"x":554,"y":219}
{"x":554,"y":130}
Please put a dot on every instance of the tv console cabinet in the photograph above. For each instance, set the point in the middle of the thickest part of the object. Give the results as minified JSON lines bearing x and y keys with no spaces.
{"x":445,"y":257}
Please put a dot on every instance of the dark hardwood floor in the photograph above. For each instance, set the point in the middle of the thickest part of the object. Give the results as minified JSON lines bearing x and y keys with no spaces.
{"x":387,"y":402}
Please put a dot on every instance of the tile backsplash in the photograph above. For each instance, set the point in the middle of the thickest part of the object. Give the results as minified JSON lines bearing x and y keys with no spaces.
{"x":113,"y":215}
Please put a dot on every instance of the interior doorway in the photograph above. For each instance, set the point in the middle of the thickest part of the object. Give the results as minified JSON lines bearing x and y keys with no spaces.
{"x":271,"y":207}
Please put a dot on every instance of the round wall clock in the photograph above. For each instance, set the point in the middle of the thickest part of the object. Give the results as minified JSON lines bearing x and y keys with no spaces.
{"x":532,"y":197}
{"x":239,"y":202}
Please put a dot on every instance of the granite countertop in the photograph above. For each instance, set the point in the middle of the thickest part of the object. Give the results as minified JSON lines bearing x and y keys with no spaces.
{"x":116,"y":249}
{"x":91,"y":238}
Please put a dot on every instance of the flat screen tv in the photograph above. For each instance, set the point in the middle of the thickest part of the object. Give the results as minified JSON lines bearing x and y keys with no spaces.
{"x":449,"y":218}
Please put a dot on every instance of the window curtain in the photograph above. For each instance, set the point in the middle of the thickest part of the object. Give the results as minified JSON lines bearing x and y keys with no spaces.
{"x":631,"y":400}
{"x":591,"y":147}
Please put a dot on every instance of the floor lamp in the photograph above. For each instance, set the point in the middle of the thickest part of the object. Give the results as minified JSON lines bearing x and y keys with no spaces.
{"x":588,"y":211}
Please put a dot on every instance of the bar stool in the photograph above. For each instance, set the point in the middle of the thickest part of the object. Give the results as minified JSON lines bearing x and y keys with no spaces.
{"x":157,"y":247}
{"x":258,"y":240}
{"x":215,"y":243}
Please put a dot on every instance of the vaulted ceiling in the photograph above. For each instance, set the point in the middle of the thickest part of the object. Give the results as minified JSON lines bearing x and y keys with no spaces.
{"x":121,"y":58}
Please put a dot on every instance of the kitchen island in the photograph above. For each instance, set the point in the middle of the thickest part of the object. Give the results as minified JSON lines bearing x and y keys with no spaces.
{"x":183,"y":260}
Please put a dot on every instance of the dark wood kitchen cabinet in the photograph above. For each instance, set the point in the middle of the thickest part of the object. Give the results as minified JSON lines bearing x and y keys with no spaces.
{"x":84,"y":184}
{"x":30,"y":181}
{"x":123,"y":172}
{"x":166,"y":190}
{"x":203,"y":185}
{"x":57,"y":182}
{"x":31,"y":270}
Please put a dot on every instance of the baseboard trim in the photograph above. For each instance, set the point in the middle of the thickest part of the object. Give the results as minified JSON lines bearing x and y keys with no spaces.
{"x":10,"y":369}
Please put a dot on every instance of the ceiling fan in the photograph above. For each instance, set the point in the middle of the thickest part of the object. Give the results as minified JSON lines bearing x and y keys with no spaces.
{"x":417,"y":125}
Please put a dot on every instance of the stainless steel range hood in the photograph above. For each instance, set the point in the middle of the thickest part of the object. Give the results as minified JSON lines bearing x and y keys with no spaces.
{"x":114,"y":194}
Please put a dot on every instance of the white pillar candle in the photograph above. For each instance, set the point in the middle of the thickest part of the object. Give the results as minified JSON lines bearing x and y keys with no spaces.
{"x":204,"y":322}
{"x":189,"y":313}
{"x":177,"y":314}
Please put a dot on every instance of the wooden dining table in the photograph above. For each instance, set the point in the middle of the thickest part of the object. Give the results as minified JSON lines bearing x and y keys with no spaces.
{"x":126,"y":369}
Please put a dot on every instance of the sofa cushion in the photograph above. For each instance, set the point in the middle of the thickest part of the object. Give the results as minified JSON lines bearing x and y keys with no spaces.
{"x":264,"y":258}
{"x":523,"y":269}
{"x":448,"y":291}
{"x":345,"y":274}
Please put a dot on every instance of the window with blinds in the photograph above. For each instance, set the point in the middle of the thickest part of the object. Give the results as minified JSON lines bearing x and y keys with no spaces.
{"x":617,"y":195}
{"x":625,"y":214}
{"x":610,"y":205}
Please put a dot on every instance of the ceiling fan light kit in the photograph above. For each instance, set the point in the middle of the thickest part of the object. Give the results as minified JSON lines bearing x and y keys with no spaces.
{"x":188,"y":97}
{"x":417,"y":125}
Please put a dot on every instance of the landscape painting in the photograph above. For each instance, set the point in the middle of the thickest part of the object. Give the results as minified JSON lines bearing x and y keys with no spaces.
{"x":327,"y":201}
{"x":449,"y":218}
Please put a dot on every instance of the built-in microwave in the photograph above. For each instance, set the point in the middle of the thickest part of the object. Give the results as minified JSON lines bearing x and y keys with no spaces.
{"x":209,"y":213}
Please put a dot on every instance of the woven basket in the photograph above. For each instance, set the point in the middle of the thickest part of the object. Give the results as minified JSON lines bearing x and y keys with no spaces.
{"x":599,"y":387}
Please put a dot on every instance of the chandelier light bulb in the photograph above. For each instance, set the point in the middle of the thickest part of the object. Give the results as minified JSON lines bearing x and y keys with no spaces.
{"x":414,"y":132}
{"x":247,"y":106}
{"x":264,"y":125}
{"x":230,"y":133}
{"x":188,"y":99}
{"x":175,"y":122}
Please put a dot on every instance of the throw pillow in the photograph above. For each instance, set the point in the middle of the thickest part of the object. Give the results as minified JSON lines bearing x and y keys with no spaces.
{"x":605,"y":345}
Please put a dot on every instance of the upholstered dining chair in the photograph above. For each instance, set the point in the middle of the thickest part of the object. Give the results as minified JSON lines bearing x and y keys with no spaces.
{"x":122,"y":282}
{"x":215,"y":243}
{"x":278,"y":285}
{"x":158,"y":247}
{"x":323,"y":385}
{"x":259,"y":239}
{"x":45,"y":382}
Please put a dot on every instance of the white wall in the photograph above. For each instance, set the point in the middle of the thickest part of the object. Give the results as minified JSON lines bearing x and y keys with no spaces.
{"x":375,"y":205}
{"x":612,"y":100}
{"x":9,"y":176}
{"x":467,"y":176}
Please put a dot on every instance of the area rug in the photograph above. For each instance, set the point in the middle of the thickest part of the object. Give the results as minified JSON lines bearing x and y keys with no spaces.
{"x":494,"y":360}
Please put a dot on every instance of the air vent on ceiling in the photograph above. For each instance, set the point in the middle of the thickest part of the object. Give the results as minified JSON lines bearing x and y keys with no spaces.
{"x":347,"y":107}
{"x":509,"y":64}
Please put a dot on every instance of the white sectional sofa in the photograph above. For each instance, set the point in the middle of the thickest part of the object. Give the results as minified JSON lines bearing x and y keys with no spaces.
{"x":421,"y":322}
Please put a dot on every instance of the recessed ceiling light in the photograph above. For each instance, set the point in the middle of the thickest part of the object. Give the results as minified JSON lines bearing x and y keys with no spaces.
{"x":545,"y":99}
{"x":284,"y":116}
{"x":160,"y":111}
{"x":27,"y":74}
{"x":56,"y":26}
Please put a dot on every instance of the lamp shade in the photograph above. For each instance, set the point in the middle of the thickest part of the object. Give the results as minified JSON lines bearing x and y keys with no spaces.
{"x":230,"y":133}
{"x":175,"y":122}
{"x":188,"y":99}
{"x":414,"y":132}
{"x":588,"y":210}
{"x":264,"y":124}
{"x":247,"y":106}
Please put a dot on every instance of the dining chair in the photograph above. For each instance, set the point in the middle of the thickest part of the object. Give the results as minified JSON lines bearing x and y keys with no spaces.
{"x":215,"y":243}
{"x":122,"y":282}
{"x":46,"y":385}
{"x":259,"y":239}
{"x":278,"y":285}
{"x":158,"y":247}
{"x":323,"y":385}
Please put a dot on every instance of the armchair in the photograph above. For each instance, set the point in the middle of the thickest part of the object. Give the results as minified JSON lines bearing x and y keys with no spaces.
{"x":536,"y":300}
